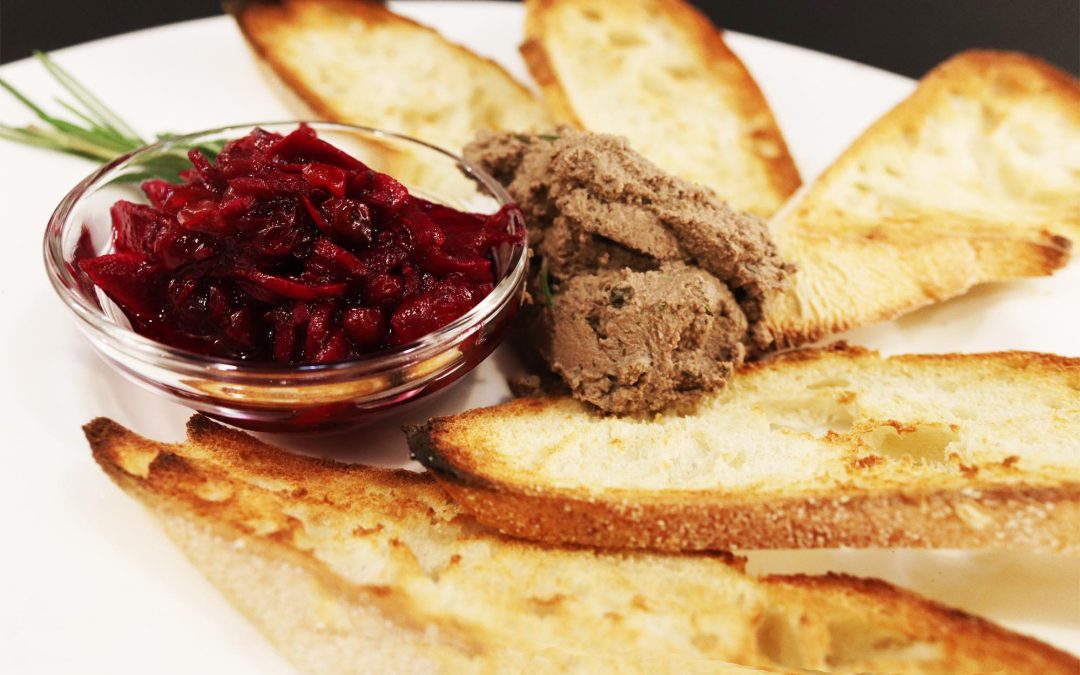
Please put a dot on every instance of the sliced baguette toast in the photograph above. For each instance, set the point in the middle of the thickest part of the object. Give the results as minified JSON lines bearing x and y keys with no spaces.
{"x":355,"y":61}
{"x":973,"y":178}
{"x":815,"y":448}
{"x":355,"y":569}
{"x":660,"y":74}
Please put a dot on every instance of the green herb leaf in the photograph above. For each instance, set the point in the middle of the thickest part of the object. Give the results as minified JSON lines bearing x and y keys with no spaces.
{"x":527,"y":139}
{"x":545,"y":284}
{"x":95,"y":132}
{"x":107,"y":119}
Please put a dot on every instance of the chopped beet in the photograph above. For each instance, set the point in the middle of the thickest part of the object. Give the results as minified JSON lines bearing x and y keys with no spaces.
{"x":326,"y":176}
{"x":135,"y":227}
{"x":350,"y":220}
{"x":365,"y":326}
{"x":84,"y":249}
{"x":421,"y":314}
{"x":383,"y":290}
{"x":175,"y":248}
{"x":241,"y":328}
{"x":333,"y":255}
{"x":131,"y":279}
{"x":287,"y":249}
{"x":303,"y":146}
{"x":333,"y":349}
{"x":157,"y":191}
{"x":270,"y":288}
{"x":320,"y":321}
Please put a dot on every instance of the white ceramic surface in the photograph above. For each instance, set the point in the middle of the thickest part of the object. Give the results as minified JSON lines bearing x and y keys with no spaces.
{"x":88,"y":583}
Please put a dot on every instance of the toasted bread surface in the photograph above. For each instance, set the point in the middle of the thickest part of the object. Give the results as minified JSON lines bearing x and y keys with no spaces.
{"x":349,"y":569}
{"x":973,"y":178}
{"x":355,"y":61}
{"x":815,"y":448}
{"x":659,"y":73}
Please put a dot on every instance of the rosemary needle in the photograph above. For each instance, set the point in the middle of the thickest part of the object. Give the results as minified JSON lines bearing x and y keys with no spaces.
{"x":96,"y":132}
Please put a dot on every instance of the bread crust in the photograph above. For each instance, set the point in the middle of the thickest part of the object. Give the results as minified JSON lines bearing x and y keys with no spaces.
{"x":965,"y":74}
{"x":265,"y":526}
{"x":259,"y":20}
{"x":1031,"y":519}
{"x":782,"y":173}
{"x":974,"y":512}
{"x":954,"y":625}
{"x":727,"y":69}
{"x":934,"y":251}
{"x":994,"y":259}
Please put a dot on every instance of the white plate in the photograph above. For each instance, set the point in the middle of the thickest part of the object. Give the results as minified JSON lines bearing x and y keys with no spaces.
{"x":87,"y":580}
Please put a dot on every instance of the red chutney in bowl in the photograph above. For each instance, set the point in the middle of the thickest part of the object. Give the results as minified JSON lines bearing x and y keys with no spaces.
{"x":286,"y":249}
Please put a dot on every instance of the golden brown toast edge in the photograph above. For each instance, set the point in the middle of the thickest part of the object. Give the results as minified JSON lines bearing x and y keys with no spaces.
{"x":874,"y":598}
{"x":165,"y":478}
{"x":932,"y":268}
{"x":782,"y":173}
{"x":257,"y":20}
{"x":995,"y":256}
{"x":967,"y":72}
{"x":980,"y":514}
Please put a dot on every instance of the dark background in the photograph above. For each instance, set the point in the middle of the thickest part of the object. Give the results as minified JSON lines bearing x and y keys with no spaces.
{"x":904,"y":36}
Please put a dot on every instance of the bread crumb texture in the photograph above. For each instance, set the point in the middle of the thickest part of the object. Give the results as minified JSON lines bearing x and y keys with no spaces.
{"x":354,"y":569}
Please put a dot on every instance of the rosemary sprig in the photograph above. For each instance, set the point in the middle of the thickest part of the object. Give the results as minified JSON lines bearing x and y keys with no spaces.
{"x":107,"y":121}
{"x":97,"y":133}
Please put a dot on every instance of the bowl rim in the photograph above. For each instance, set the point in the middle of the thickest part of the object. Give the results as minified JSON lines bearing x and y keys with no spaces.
{"x":134,"y":344}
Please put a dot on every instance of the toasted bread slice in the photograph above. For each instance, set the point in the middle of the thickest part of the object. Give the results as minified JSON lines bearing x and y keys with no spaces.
{"x":973,"y":178}
{"x":354,"y":569}
{"x":660,"y":74}
{"x":357,"y":62}
{"x":816,"y":448}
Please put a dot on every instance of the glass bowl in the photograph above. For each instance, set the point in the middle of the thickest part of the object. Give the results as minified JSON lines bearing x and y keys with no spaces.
{"x":273,"y":397}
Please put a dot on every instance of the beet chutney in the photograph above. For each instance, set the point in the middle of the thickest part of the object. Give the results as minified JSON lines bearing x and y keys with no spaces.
{"x":289,"y":250}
